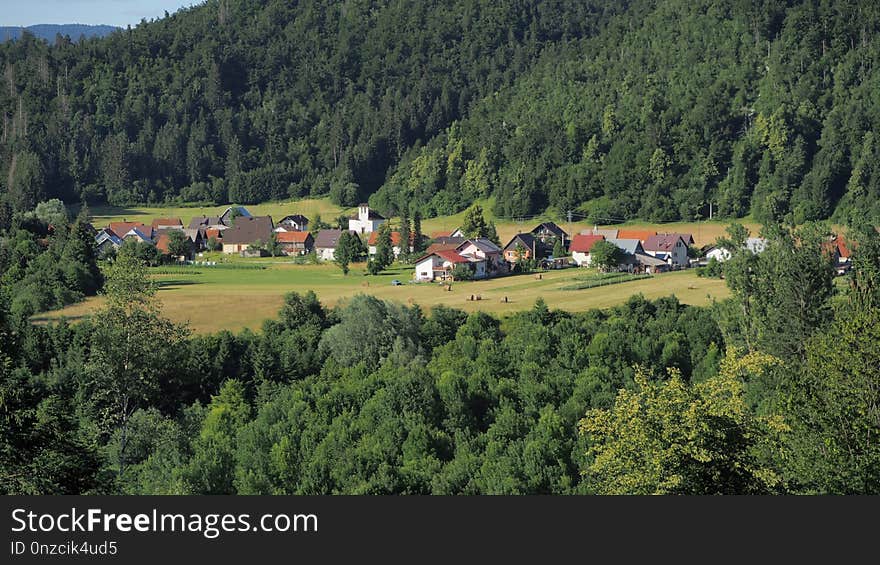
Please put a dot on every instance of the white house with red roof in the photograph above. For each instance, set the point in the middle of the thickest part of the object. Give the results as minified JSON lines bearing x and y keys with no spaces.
{"x":580,"y":248}
{"x":373,"y":242}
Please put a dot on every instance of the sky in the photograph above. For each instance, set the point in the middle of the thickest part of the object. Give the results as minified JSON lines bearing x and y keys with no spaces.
{"x":109,"y":12}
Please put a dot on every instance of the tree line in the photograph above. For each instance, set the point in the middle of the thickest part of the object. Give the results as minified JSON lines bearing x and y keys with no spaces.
{"x":771,"y":391}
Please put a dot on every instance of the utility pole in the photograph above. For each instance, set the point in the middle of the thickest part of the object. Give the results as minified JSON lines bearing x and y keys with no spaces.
{"x":568,"y":213}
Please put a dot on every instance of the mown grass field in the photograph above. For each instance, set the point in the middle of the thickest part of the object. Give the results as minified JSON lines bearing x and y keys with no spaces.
{"x":214,"y":299}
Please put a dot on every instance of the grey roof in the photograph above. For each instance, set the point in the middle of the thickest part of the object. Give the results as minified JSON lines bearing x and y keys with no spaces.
{"x":483,"y":244}
{"x":607,"y":233}
{"x":448,"y":240}
{"x":248,"y":229}
{"x":204,"y":221}
{"x":631,"y":246}
{"x":645,"y":259}
{"x":327,"y":239}
{"x":107,"y":235}
{"x":193,"y":234}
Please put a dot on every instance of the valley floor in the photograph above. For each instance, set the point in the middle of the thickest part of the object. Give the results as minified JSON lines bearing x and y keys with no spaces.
{"x":213,"y":299}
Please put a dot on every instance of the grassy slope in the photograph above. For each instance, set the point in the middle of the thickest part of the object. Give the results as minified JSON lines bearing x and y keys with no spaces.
{"x":235,"y":299}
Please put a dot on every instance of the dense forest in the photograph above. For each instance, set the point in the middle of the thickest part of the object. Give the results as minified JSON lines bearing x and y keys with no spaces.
{"x":771,"y":391}
{"x":615,"y":109}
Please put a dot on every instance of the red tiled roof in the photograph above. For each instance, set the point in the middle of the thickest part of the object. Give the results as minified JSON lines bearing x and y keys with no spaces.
{"x":213,"y":232}
{"x":451,"y":256}
{"x":641,"y":235}
{"x":166,"y":222}
{"x":292,"y":236}
{"x":435,"y":247}
{"x":395,"y":238}
{"x":162,"y":243}
{"x":441,"y":234}
{"x":122,"y":228}
{"x":583,"y":243}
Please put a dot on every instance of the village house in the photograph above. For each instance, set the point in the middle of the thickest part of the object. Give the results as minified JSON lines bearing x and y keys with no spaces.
{"x":295,"y":242}
{"x":121,"y":229}
{"x":480,"y":248}
{"x":754,"y":244}
{"x":840,"y":254}
{"x":294,"y":222}
{"x":439,"y":265}
{"x":365,"y":221}
{"x":396,"y":247}
{"x":325,"y":243}
{"x":139,"y":235}
{"x":526,"y":246}
{"x":668,"y":247}
{"x":106,"y":242}
{"x":548,"y":232}
{"x":247,"y":231}
{"x":580,"y":248}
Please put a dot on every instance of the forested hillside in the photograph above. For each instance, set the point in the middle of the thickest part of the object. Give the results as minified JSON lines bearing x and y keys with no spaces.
{"x":248,"y":100}
{"x":756,"y":106}
{"x":648,"y":108}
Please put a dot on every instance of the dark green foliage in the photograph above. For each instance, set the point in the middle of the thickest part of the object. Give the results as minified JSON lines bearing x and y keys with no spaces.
{"x":246,"y":101}
{"x":349,"y":249}
{"x":44,"y":267}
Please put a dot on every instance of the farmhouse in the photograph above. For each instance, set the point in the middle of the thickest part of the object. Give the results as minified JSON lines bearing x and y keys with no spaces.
{"x":668,"y":247}
{"x":581,"y":246}
{"x":295,"y":242}
{"x":325,"y":243}
{"x":247,"y":231}
{"x":295,"y":222}
{"x":365,"y":221}
{"x":525,"y":246}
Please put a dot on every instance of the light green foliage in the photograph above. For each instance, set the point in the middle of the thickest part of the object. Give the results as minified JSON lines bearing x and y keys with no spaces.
{"x":669,"y":437}
{"x":605,"y":256}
